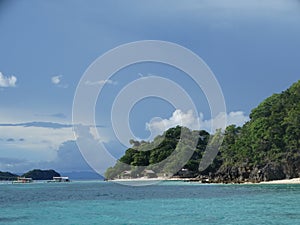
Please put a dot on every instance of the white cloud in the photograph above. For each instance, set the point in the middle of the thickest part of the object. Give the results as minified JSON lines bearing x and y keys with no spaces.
{"x":39,"y":143}
{"x":190,"y":120}
{"x":26,"y":147}
{"x":7,"y":81}
{"x":99,"y":82}
{"x":237,"y":118}
{"x":56,"y":79}
{"x":157,"y":125}
{"x":100,"y":134}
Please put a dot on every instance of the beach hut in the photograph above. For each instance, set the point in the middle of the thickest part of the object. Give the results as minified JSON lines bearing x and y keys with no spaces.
{"x":126,"y":174}
{"x":149,"y":174}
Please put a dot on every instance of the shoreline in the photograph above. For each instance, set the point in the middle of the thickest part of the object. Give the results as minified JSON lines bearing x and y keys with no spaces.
{"x":284,"y":181}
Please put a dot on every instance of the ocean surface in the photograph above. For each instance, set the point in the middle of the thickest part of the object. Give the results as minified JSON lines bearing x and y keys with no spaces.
{"x":169,"y":202}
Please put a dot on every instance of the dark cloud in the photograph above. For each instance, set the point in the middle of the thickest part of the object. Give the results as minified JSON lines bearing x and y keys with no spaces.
{"x":11,"y":160}
{"x":69,"y":159}
{"x":42,"y":125}
{"x":37,"y":124}
{"x":10,"y":139}
{"x":59,"y":115}
{"x":55,"y":115}
{"x":14,"y":165}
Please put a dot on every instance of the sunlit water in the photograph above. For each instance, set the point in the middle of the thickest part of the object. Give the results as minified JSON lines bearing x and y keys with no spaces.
{"x":96,"y":202}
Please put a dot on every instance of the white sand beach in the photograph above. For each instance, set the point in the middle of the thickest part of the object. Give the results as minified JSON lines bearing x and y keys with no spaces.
{"x":285,"y":181}
{"x":149,"y":179}
{"x":155,"y":180}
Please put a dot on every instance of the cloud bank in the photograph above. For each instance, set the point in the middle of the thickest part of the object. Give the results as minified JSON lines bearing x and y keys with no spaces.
{"x":34,"y":140}
{"x":68,"y":159}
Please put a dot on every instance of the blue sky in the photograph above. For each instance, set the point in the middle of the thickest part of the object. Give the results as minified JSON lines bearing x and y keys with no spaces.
{"x":251,"y":46}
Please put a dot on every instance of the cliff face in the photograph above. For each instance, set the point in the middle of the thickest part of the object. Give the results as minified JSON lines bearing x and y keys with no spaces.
{"x":256,"y":174}
{"x":265,"y":148}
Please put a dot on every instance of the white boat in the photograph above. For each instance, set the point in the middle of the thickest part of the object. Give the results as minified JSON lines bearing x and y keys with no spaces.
{"x":23,"y":180}
{"x":60,"y":179}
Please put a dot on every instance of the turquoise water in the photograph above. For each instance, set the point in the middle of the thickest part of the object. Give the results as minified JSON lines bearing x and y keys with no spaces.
{"x":167,"y":203}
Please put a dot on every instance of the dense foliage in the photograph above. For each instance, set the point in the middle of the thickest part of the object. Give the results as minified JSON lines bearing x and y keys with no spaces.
{"x":272,"y":135}
{"x":167,"y":147}
{"x":266,"y":147}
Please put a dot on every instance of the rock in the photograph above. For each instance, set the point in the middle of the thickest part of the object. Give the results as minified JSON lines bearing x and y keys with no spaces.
{"x":273,"y":172}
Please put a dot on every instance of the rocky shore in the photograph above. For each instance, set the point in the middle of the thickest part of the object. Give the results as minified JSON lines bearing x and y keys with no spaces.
{"x":257,"y":174}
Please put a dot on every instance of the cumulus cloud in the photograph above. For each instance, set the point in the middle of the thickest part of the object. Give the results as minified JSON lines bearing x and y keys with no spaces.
{"x":99,"y":82}
{"x":69,"y":158}
{"x":7,"y":81}
{"x":190,"y":120}
{"x":237,"y":118}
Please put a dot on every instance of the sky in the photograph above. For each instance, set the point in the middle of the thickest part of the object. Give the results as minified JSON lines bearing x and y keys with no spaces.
{"x":252,"y":48}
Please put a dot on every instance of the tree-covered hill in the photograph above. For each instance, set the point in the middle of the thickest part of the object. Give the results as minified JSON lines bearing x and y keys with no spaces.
{"x":265,"y":148}
{"x":38,"y":174}
{"x":268,"y":146}
{"x":164,"y":153}
{"x":7,"y":176}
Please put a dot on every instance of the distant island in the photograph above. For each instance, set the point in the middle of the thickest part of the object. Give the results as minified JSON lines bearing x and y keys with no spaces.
{"x":35,"y":174}
{"x":8,"y":176}
{"x":265,"y":148}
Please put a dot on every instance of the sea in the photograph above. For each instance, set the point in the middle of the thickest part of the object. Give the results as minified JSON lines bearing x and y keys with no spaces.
{"x":168,"y":202}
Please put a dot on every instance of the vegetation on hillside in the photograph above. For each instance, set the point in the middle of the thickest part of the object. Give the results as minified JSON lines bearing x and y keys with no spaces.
{"x":265,"y":148}
{"x":165,"y":153}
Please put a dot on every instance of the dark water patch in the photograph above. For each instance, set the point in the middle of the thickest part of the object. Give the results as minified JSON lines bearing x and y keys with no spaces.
{"x":12,"y":219}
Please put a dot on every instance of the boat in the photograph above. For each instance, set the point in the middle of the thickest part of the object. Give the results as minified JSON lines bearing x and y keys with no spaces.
{"x":23,"y":180}
{"x":59,"y":179}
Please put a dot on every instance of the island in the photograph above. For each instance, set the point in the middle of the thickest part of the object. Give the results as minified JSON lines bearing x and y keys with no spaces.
{"x":35,"y":174}
{"x":8,"y":176}
{"x":38,"y":174}
{"x":266,"y":148}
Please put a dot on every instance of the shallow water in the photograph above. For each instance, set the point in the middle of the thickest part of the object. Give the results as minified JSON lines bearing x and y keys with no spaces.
{"x":98,"y":202}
